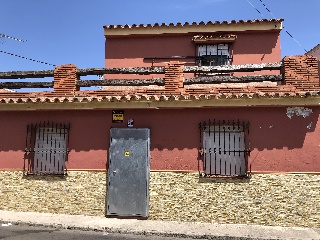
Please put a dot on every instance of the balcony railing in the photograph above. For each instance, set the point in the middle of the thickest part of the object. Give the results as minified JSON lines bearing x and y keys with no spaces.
{"x":138,"y":71}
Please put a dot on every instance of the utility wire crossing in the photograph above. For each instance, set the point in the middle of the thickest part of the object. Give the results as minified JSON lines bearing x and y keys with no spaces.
{"x":30,"y":59}
{"x":275,"y":18}
{"x":12,"y":38}
{"x":19,"y":56}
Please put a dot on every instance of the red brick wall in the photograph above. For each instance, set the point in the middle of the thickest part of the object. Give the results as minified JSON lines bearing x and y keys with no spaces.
{"x":65,"y":78}
{"x":173,"y":82}
{"x":301,"y":72}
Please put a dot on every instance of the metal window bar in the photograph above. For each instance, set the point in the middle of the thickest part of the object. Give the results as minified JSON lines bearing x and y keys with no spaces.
{"x":205,"y":160}
{"x":214,"y":55}
{"x":226,"y":148}
{"x":47,"y":148}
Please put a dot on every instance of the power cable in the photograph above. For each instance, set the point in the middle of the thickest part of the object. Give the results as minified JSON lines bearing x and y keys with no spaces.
{"x":13,"y":38}
{"x":16,"y":55}
{"x":255,"y":7}
{"x":267,"y":9}
{"x":30,"y":59}
{"x":265,"y":6}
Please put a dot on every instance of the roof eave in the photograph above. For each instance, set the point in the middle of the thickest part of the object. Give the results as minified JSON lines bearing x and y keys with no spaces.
{"x":233,"y":26}
{"x":171,"y":102}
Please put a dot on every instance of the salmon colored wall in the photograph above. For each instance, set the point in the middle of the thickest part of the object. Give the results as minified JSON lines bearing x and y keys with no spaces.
{"x":88,"y":143}
{"x":249,"y":47}
{"x":278,"y":143}
{"x":131,"y":51}
{"x":257,"y":48}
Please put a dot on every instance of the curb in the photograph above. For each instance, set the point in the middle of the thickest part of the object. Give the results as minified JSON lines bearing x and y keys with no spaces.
{"x":142,"y":233}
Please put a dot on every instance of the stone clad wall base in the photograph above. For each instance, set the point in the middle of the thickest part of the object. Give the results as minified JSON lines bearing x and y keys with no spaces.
{"x":267,"y":199}
{"x":81,"y":192}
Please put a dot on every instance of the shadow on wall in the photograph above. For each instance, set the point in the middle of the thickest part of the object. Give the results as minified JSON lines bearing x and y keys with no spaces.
{"x":47,"y":178}
{"x":146,"y":47}
{"x":280,"y":128}
{"x":89,"y":130}
{"x":226,"y":180}
{"x":255,"y":43}
{"x":175,"y":134}
{"x":270,"y":128}
{"x":141,"y":47}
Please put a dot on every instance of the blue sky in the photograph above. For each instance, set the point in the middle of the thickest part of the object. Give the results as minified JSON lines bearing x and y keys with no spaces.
{"x":63,"y":31}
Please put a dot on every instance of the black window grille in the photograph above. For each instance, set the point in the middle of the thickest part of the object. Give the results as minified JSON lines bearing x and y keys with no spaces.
{"x":46,"y":149}
{"x":213,"y":55}
{"x":225,"y":148}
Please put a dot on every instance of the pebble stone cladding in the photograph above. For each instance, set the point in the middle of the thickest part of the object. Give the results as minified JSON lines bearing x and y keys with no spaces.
{"x":267,"y":199}
{"x":80,"y":192}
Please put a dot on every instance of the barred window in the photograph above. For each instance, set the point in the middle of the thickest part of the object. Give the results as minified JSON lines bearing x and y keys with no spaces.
{"x":214,"y":54}
{"x":226,"y":148}
{"x":46,"y":148}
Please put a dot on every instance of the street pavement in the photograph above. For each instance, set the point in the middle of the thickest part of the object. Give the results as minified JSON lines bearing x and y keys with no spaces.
{"x":25,"y":232}
{"x":157,"y":228}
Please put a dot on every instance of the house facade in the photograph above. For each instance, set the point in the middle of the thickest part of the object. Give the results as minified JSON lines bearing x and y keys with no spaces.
{"x":211,"y":131}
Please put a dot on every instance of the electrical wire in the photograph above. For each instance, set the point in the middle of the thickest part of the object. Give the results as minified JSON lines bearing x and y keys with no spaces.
{"x":283,"y":27}
{"x":16,"y":55}
{"x":30,"y":59}
{"x":267,"y":9}
{"x":275,"y":18}
{"x":13,"y":38}
{"x":254,"y":7}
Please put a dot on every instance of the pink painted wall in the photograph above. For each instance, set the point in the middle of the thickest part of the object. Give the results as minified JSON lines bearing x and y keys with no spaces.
{"x":88,"y":143}
{"x":131,"y":51}
{"x":278,"y":143}
{"x":257,"y":48}
{"x":249,"y":47}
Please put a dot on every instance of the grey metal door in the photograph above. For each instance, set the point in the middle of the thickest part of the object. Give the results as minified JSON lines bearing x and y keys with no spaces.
{"x":128,"y":174}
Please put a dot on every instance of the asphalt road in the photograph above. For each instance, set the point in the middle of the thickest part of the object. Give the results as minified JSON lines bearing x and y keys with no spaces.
{"x":23,"y":232}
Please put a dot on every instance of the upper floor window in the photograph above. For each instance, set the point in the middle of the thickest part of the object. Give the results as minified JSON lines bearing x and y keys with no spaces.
{"x":213,"y":54}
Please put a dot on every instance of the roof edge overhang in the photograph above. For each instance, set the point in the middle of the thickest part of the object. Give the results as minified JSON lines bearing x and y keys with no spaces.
{"x":167,"y":104}
{"x":210,"y":27}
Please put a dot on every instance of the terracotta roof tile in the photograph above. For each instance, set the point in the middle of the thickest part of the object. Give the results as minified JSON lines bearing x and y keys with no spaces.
{"x":193,"y":23}
{"x":181,"y":97}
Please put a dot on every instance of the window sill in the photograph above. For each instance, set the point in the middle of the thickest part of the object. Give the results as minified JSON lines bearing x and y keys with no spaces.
{"x":44,"y":175}
{"x":223,"y":179}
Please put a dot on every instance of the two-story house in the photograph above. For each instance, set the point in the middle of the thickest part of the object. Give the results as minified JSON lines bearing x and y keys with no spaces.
{"x":195,"y":122}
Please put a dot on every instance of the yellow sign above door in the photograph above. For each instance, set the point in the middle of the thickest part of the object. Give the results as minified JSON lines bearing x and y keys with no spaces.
{"x":117,"y":116}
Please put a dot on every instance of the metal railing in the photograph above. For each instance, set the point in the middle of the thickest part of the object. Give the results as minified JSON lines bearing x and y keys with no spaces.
{"x":225,"y":148}
{"x":214,"y":60}
{"x":46,"y":149}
